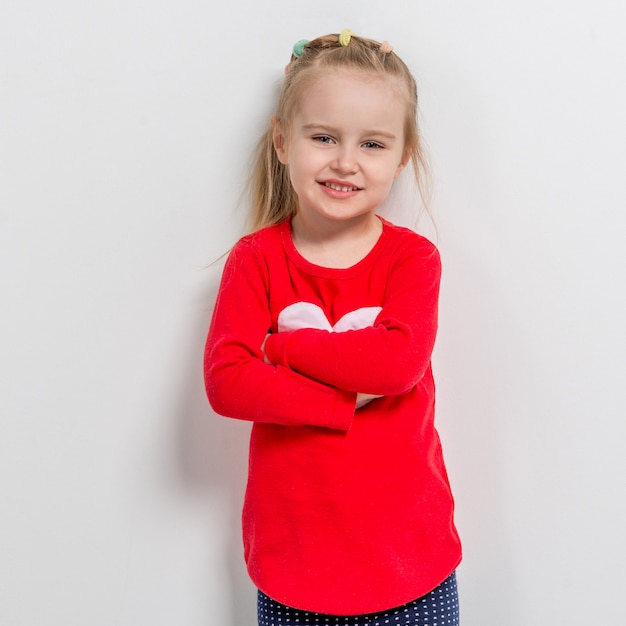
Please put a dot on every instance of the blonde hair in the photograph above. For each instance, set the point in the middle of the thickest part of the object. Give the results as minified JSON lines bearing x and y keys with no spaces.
{"x":271,"y":194}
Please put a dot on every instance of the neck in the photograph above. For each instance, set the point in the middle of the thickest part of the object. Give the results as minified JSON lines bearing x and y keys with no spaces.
{"x":338,"y":244}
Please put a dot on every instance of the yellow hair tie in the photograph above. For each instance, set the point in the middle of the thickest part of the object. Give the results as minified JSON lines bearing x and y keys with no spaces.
{"x":344,"y":38}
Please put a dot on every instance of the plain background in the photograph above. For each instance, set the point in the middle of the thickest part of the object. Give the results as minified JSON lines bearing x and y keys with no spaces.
{"x":125,"y":133}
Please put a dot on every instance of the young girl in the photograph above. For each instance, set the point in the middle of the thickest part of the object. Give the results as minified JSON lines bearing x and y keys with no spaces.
{"x":322,"y":336}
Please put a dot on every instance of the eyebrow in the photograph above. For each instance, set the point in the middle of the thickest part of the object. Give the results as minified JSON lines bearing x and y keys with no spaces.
{"x":334,"y":131}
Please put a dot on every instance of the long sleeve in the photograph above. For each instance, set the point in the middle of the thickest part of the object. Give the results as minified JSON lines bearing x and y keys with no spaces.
{"x":388,"y":358}
{"x":238,"y":382}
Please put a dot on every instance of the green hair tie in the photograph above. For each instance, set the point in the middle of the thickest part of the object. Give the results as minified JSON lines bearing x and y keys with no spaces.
{"x":298,"y":48}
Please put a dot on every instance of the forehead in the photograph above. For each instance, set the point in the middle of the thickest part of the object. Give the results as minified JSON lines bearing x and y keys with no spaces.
{"x":352,"y":96}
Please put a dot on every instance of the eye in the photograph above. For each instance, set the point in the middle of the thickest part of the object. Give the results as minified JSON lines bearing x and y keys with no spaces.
{"x":323,"y":139}
{"x":372,"y":145}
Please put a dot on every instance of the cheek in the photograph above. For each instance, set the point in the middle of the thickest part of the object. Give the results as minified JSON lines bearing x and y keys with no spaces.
{"x":297,"y":174}
{"x":391,"y":171}
{"x":302,"y":165}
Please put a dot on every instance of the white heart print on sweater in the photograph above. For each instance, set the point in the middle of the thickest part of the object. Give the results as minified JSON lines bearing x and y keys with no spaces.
{"x":308,"y":315}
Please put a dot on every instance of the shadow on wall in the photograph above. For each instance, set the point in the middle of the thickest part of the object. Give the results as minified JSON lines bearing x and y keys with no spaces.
{"x":212,"y":457}
{"x":477,"y":350}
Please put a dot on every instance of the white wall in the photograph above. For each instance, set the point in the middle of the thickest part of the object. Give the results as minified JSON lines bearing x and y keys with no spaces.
{"x":124,"y":134}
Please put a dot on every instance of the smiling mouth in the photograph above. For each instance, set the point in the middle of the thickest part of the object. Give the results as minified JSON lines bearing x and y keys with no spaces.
{"x":337,"y":187}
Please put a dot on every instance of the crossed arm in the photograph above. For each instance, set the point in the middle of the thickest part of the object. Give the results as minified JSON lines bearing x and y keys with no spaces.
{"x":361,"y":398}
{"x":277,"y":378}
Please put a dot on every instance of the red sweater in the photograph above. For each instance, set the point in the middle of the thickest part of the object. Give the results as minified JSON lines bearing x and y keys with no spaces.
{"x":347,"y":510}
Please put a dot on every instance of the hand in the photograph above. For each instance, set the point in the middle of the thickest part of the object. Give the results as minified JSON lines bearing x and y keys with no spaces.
{"x":265,"y":359}
{"x":363,"y":398}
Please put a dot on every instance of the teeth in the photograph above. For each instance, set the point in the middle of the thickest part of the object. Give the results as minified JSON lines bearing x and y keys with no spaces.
{"x":340,"y":187}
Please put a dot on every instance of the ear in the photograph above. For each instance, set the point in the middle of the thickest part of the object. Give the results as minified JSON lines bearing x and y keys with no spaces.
{"x":406,"y":157}
{"x":279,"y":139}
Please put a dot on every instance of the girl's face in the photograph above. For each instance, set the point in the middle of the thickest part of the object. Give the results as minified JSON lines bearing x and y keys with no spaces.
{"x":344,"y":146}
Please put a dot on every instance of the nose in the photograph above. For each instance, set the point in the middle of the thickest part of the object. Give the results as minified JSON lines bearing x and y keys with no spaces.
{"x":345,"y":159}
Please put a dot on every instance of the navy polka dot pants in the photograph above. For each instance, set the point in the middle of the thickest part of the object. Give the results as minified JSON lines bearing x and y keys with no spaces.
{"x":440,"y":607}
